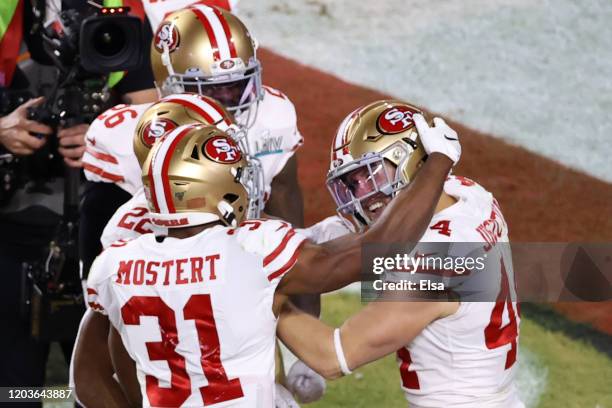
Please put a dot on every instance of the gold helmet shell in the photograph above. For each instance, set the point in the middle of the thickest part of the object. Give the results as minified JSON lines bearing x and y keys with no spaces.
{"x":201,"y":49}
{"x":194,"y":175}
{"x":380,"y":132}
{"x":173,"y":111}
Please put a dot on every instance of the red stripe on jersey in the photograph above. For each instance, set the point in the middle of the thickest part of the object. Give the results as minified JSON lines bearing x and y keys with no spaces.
{"x":101,"y":156}
{"x":91,"y":291}
{"x":210,"y":32}
{"x":272,"y":256}
{"x":113,"y":178}
{"x":228,"y":33}
{"x":288,"y":265}
{"x":410,"y":379}
{"x":95,"y":306}
{"x":165,"y":180}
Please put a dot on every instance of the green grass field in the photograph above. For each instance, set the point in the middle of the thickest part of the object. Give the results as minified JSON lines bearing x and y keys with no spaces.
{"x":562,"y":372}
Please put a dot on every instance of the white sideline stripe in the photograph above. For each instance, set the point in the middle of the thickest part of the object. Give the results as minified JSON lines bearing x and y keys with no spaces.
{"x":531,"y":377}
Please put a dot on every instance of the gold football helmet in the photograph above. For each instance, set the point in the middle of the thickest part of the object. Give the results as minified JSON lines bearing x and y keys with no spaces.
{"x":182,"y":109}
{"x":209,"y":51}
{"x":173,"y":111}
{"x":381,"y":132}
{"x":195,"y":175}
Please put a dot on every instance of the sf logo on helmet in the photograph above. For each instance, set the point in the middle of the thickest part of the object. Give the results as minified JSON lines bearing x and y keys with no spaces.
{"x":395,"y":120}
{"x":222,"y":150}
{"x":166,"y":35}
{"x":155,"y":129}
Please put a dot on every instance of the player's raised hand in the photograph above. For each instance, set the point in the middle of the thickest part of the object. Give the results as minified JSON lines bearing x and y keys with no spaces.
{"x":440,"y":138}
{"x":284,"y":399}
{"x":305,"y":383}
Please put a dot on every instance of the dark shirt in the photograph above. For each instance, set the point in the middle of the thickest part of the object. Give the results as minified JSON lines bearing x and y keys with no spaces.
{"x":28,"y":221}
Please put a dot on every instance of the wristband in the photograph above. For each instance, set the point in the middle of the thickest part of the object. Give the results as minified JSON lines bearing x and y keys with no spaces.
{"x":340,"y":353}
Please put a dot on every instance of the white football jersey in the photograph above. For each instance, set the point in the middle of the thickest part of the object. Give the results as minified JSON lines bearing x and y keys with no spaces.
{"x":130,"y":221}
{"x":468,"y":359}
{"x":109,"y":154}
{"x":110,"y":158}
{"x":195,"y":314}
{"x":330,"y":228}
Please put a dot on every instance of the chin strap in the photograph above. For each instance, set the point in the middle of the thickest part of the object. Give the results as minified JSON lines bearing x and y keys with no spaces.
{"x":227,"y":213}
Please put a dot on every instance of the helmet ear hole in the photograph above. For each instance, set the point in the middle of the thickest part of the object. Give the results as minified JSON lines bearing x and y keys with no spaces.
{"x":230,"y":198}
{"x":195,"y":153}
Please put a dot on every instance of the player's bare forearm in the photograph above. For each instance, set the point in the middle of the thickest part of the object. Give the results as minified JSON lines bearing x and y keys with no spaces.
{"x":309,"y":339}
{"x":93,"y":370}
{"x":286,"y":201}
{"x":337,"y":263}
{"x":381,"y":328}
{"x":125,"y":368}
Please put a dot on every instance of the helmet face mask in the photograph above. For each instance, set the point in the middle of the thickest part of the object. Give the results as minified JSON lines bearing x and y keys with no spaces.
{"x":376,"y":153}
{"x":237,"y":92}
{"x":209,"y":51}
{"x":359,"y":188}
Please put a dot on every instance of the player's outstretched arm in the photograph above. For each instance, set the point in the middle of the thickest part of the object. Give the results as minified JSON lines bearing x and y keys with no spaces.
{"x":378,"y":329}
{"x":93,"y":370}
{"x":125,"y":368}
{"x":335,"y":264}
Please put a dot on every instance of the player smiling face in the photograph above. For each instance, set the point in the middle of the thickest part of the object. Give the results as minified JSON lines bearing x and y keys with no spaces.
{"x":365,"y":184}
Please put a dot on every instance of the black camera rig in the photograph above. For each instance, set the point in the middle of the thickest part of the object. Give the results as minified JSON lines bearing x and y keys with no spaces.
{"x":85,"y":48}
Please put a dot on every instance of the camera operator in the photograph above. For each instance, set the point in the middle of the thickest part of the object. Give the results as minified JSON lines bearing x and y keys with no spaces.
{"x":31,"y":205}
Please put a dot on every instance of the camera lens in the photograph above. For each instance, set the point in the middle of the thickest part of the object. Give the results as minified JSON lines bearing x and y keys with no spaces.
{"x":111,"y":43}
{"x":109,"y":39}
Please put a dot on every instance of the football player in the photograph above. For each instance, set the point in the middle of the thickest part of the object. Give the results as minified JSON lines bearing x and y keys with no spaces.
{"x":193,"y":313}
{"x":206,"y":50}
{"x":460,"y":354}
{"x":132,"y":218}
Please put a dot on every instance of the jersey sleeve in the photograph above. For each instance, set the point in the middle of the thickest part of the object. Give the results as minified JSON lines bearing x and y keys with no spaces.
{"x":109,"y":156}
{"x":98,"y":291}
{"x":276,"y":242}
{"x":330,"y":228}
{"x":275,"y":137}
{"x":130,"y":221}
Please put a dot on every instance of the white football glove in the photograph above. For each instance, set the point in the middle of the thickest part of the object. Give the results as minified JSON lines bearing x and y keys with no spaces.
{"x":438,"y":139}
{"x":306,"y":384}
{"x":284,"y":399}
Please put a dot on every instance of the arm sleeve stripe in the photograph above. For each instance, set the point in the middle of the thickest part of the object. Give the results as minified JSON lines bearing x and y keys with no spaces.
{"x":91,"y":291}
{"x":286,"y":267}
{"x":96,"y":306}
{"x":272,"y":256}
{"x":101,"y":156}
{"x":114,"y":178}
